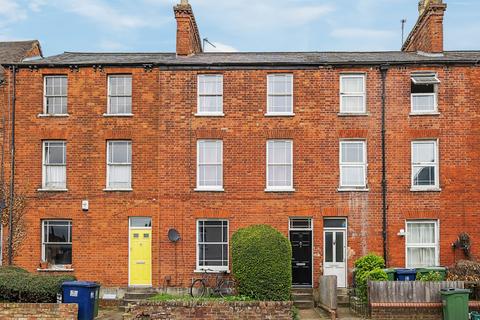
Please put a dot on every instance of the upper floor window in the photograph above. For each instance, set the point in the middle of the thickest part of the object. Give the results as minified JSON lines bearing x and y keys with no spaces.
{"x":119,"y":165}
{"x":352,"y":94}
{"x":57,"y":242}
{"x":212,"y":245}
{"x":55,"y":91}
{"x":279,"y":165}
{"x":353,"y":164}
{"x":120,"y":94}
{"x":280,"y":94}
{"x":54,"y":165}
{"x":425,"y":164}
{"x":424,"y":93}
{"x":210,"y":165}
{"x":210,"y":95}
{"x":422,"y":243}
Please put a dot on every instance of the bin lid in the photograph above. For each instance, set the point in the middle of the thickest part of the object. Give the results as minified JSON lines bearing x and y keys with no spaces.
{"x":83,"y":284}
{"x":406,"y":271}
{"x":448,"y":291}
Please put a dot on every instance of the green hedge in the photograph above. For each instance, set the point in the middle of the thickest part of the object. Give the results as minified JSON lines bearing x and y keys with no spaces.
{"x":17,"y":285}
{"x":261,"y":263}
{"x":368,"y":267}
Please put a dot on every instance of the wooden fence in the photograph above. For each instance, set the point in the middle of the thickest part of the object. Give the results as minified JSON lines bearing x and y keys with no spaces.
{"x":408,"y":291}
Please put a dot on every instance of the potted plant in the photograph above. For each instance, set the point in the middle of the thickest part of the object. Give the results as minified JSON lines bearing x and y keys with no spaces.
{"x":43,"y":265}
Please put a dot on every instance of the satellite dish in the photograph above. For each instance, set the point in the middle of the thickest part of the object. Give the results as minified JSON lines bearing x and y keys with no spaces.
{"x":173,"y":235}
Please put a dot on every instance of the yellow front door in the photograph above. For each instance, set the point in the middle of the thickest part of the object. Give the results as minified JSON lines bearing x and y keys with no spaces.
{"x":140,"y":257}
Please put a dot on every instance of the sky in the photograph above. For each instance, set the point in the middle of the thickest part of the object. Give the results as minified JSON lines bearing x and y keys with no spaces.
{"x":232,"y":25}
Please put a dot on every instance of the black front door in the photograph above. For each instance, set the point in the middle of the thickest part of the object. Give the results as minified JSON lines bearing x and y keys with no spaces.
{"x":301,"y":257}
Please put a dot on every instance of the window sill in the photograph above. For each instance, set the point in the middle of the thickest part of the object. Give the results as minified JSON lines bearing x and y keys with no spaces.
{"x":209,"y":189}
{"x":352,"y":114}
{"x":432,"y":189}
{"x":209,"y":114}
{"x":117,"y":190}
{"x":280,"y":190}
{"x":55,"y":270}
{"x":436,"y":113}
{"x":360,"y":189}
{"x":45,"y":115}
{"x":211,"y":271}
{"x":51,"y":190}
{"x":120,"y":115}
{"x":279,"y":114}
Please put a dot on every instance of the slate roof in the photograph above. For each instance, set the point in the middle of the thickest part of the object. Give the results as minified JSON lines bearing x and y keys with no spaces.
{"x":256,"y":58}
{"x":14,"y":51}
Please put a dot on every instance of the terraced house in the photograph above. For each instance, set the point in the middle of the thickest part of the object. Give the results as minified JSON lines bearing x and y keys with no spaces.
{"x":343,"y":152}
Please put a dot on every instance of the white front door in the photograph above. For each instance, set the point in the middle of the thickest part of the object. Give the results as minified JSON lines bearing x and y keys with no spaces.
{"x":334,"y":260}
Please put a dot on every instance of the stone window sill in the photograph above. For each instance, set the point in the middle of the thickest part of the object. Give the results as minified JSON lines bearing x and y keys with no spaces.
{"x":280,"y":190}
{"x":117,"y":190}
{"x":425,"y":189}
{"x":45,"y":115}
{"x":211,"y":271}
{"x":209,"y":190}
{"x":51,"y":190}
{"x":210,"y":114}
{"x":424,"y":114}
{"x":120,"y":115}
{"x":279,"y":114}
{"x":346,"y":114}
{"x":55,"y":270}
{"x":353,"y":189}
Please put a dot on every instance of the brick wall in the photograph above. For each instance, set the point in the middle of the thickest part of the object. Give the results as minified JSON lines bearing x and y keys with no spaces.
{"x":164,"y":131}
{"x":34,"y":311}
{"x":401,"y":313}
{"x":211,"y":310}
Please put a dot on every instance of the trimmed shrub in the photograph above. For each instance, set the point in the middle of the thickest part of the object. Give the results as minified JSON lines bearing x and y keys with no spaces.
{"x":10,"y":269}
{"x":464,"y":270}
{"x":430,"y":276}
{"x":261,"y":263}
{"x":17,"y":285}
{"x":368,"y":267}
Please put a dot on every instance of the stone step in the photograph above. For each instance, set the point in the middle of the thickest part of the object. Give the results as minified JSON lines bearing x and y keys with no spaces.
{"x":138,"y":295}
{"x":302,"y":297}
{"x":304,"y":304}
{"x":302,"y":290}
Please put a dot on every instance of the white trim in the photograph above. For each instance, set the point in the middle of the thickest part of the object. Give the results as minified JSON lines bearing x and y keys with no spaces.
{"x":107,"y":185}
{"x":45,"y":94}
{"x":289,"y":188}
{"x":44,"y":167}
{"x":435,"y":164}
{"x":209,"y":188}
{"x":213,"y":269}
{"x":199,"y":113}
{"x":356,"y":94}
{"x":68,"y":223}
{"x":311,"y":242}
{"x":151,"y":250}
{"x":280,"y":114}
{"x":43,"y":115}
{"x":436,"y":223}
{"x":109,"y":114}
{"x":364,"y":165}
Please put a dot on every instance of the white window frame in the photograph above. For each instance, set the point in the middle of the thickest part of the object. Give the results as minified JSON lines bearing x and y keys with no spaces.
{"x":273,"y":113}
{"x":357,"y":94}
{"x":280,"y":188}
{"x":435,"y":164}
{"x":109,"y":111}
{"x":70,"y":229}
{"x":209,"y":188}
{"x":199,"y":268}
{"x":108,"y":187}
{"x":45,"y":111}
{"x":434,"y":94}
{"x":208,"y":113}
{"x":363,"y":165}
{"x":435,"y":245}
{"x":45,"y":165}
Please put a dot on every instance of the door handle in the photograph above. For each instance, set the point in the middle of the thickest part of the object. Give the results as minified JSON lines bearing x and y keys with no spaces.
{"x":301,"y":264}
{"x":140,"y":262}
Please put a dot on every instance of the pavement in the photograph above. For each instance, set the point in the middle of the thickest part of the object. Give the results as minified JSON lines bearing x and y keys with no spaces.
{"x":317,"y":314}
{"x":111,"y":313}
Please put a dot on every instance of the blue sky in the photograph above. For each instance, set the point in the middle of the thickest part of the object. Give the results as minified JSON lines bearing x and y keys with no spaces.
{"x":234,"y":25}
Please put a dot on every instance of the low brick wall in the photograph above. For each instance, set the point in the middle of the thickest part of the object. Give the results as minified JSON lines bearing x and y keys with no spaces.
{"x":420,"y":312}
{"x":41,"y":311}
{"x":211,"y":310}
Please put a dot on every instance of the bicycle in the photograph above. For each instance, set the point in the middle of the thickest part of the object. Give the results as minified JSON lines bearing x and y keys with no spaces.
{"x":223,"y":287}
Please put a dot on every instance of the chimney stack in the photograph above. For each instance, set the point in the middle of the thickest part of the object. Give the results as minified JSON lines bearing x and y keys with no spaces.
{"x":427,"y":34}
{"x":188,"y":37}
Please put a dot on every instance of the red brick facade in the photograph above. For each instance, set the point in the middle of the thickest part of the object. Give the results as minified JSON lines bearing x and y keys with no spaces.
{"x":164,"y":131}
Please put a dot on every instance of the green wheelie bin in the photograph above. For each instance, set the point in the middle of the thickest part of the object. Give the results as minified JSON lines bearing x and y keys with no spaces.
{"x":455,"y":303}
{"x":441,"y":270}
{"x":390,"y":274}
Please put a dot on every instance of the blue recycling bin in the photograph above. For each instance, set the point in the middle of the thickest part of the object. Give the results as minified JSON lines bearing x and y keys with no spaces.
{"x":406,"y":274}
{"x":82,"y":293}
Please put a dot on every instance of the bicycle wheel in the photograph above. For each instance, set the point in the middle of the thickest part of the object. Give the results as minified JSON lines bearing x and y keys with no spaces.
{"x":224,"y":289}
{"x":198,"y":289}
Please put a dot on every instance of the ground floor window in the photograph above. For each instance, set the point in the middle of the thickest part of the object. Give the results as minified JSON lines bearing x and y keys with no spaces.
{"x":57,"y":242}
{"x":422,"y":243}
{"x":212,"y":244}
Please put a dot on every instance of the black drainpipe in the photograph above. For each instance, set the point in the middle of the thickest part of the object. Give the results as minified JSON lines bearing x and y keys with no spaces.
{"x":12,"y":173}
{"x":383,"y":73}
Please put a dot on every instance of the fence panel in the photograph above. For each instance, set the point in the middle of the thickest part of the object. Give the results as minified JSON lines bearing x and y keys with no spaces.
{"x":408,"y":291}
